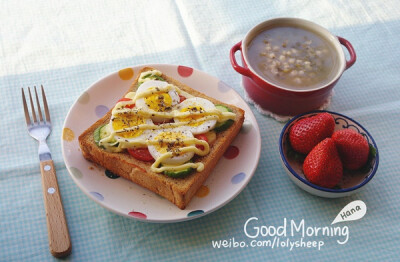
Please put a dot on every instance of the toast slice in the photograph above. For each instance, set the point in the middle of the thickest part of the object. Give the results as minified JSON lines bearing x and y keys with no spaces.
{"x":177,"y":190}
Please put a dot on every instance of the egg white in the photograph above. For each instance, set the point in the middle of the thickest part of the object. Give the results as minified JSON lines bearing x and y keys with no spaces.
{"x":141,"y":102}
{"x":156,"y":151}
{"x":197,"y":102}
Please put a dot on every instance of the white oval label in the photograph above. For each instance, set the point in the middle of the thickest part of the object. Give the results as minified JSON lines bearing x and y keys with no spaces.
{"x":352,"y":211}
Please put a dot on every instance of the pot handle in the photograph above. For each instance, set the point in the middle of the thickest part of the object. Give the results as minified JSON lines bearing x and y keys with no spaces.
{"x":349,"y":48}
{"x":241,"y":70}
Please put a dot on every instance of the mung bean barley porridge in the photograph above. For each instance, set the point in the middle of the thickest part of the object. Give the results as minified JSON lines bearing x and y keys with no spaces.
{"x":293,"y":57}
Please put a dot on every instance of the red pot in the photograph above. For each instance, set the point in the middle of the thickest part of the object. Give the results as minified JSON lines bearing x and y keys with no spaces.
{"x":281,"y":100}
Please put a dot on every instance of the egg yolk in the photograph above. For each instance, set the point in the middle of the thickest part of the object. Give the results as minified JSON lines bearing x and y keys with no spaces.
{"x":160,"y":102}
{"x":173,"y":145}
{"x":192,"y":119}
{"x":127,"y":121}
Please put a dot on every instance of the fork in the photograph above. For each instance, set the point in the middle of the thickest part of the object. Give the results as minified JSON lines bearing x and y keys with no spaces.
{"x":40,"y":129}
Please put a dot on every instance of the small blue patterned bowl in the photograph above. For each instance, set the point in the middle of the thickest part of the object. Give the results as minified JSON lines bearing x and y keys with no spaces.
{"x":352,"y":181}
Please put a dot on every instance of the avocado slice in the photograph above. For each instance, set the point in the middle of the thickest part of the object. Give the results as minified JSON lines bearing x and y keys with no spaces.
{"x":100,"y":133}
{"x":180,"y":173}
{"x":222,"y":126}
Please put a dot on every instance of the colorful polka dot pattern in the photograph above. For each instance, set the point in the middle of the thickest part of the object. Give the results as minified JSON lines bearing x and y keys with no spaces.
{"x":126,"y":73}
{"x":111,"y":175}
{"x":222,"y":87}
{"x":68,"y":134}
{"x":101,"y":110}
{"x":137,"y":214}
{"x":97,"y":195}
{"x":203,"y":191}
{"x":76,"y":172}
{"x":185,"y":71}
{"x":238,"y":178}
{"x":84,"y":98}
{"x":232,"y":153}
{"x":195,"y":213}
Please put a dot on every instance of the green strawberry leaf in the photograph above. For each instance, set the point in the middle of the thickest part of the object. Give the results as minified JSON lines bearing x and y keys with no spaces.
{"x":292,"y":154}
{"x":372,"y":154}
{"x":372,"y":150}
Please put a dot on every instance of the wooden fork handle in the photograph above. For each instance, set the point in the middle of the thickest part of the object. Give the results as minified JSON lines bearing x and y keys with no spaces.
{"x":57,"y":228}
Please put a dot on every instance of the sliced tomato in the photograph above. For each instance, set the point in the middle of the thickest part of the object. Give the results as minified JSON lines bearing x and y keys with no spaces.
{"x":181,"y":98}
{"x":125,"y":99}
{"x":141,"y":154}
{"x":201,"y":137}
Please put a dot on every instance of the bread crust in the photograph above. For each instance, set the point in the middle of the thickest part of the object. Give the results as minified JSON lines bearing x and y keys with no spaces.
{"x":177,"y":190}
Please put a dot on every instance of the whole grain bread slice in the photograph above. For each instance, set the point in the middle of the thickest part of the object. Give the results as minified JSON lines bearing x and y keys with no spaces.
{"x":177,"y":190}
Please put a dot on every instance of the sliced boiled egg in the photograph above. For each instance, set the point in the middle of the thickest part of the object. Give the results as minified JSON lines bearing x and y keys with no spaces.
{"x":125,"y":127}
{"x":196,"y":105}
{"x":170,"y":141}
{"x":151,"y":96}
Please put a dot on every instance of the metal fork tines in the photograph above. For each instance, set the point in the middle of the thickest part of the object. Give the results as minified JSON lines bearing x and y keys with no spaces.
{"x":40,"y":128}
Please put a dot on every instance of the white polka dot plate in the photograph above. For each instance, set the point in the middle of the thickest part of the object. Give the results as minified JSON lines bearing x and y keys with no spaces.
{"x":229,"y":178}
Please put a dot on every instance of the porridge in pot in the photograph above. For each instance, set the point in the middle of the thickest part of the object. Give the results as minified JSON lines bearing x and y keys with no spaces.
{"x":293,"y":57}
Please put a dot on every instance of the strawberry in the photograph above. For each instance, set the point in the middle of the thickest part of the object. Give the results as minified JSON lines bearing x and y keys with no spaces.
{"x":353,"y":148}
{"x":308,"y":132}
{"x":322,"y":165}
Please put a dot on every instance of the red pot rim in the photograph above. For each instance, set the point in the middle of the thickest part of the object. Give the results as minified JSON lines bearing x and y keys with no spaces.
{"x":336,"y":42}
